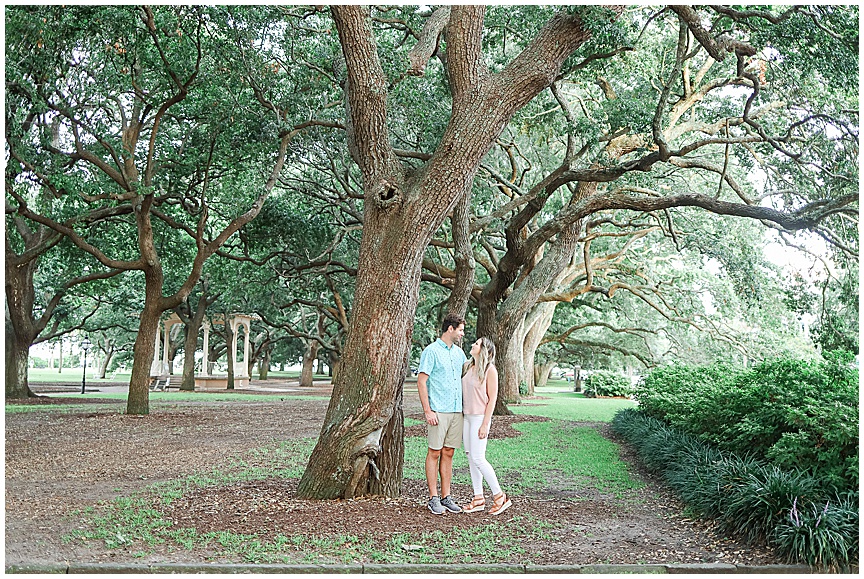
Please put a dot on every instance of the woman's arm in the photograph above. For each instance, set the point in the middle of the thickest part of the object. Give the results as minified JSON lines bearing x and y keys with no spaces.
{"x":492,"y":393}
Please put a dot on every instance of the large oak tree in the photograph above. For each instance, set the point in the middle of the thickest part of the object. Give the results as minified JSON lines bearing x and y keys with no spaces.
{"x":360,"y":447}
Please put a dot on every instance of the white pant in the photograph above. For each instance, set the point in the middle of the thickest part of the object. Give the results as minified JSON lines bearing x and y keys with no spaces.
{"x":475,"y":450}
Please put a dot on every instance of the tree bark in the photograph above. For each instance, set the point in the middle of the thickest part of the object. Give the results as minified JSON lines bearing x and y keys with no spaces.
{"x":192,"y":327}
{"x":463,"y":255}
{"x":17,"y":357}
{"x":20,"y":326}
{"x":231,"y":351}
{"x":264,"y":363}
{"x":109,"y":354}
{"x":537,"y":322}
{"x":144,"y":350}
{"x":309,"y":357}
{"x":541,"y":373}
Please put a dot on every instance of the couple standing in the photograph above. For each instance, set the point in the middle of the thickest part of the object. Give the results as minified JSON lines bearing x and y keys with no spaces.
{"x":450,"y":385}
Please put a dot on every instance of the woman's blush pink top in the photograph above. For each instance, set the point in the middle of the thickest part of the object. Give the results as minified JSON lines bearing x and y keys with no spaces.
{"x":474,"y":395}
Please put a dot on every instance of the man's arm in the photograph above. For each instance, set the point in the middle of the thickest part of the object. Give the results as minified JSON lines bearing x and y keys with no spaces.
{"x":431,"y":417}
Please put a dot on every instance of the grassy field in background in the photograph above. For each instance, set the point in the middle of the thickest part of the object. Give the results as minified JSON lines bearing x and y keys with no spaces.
{"x":73,"y":375}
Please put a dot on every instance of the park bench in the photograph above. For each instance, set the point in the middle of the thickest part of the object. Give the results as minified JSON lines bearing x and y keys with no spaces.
{"x":160,"y":382}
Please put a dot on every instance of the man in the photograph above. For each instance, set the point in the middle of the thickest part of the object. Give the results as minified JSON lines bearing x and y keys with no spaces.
{"x":439,"y":382}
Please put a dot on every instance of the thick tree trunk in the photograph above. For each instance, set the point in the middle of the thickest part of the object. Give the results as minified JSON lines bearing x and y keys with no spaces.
{"x":537,"y":322}
{"x":391,"y":457}
{"x":309,"y":357}
{"x":541,"y":373}
{"x":17,"y":358}
{"x":138,"y":402}
{"x":21,"y":330}
{"x":360,"y":449}
{"x":508,"y":359}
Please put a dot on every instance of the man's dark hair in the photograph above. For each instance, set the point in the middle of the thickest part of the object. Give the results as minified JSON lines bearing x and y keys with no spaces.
{"x":451,"y":320}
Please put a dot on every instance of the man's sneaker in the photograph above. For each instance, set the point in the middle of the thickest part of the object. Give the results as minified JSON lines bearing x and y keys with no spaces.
{"x":449,"y":504}
{"x":435,"y":506}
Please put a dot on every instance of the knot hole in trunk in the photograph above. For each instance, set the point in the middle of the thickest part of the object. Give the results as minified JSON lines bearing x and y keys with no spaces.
{"x":389,"y":195}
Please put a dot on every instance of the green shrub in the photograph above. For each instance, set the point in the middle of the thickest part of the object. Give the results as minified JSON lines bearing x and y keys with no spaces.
{"x":793,"y":413}
{"x":758,"y":501}
{"x":606,"y":383}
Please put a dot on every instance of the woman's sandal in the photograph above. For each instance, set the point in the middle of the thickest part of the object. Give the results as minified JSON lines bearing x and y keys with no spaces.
{"x":477,"y":504}
{"x":500,"y":504}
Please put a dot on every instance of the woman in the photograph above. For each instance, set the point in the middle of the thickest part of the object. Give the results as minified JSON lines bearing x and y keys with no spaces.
{"x":479,"y":392}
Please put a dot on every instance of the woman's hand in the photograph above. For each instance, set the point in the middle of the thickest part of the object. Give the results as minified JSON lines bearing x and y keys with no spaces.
{"x":484,"y":431}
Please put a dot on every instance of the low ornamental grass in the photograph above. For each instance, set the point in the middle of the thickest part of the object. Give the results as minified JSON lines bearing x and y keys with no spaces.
{"x":806,"y":520}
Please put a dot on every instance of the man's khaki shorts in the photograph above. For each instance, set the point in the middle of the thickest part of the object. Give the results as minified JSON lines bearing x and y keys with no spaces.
{"x":448,"y":431}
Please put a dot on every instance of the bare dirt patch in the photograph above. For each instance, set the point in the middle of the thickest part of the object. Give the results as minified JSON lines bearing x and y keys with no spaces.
{"x":59,"y":463}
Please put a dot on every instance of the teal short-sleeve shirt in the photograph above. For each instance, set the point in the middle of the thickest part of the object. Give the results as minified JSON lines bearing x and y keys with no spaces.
{"x":443,"y":365}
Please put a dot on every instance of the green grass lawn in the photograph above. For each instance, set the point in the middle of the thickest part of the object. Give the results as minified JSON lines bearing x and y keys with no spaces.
{"x":70,"y":375}
{"x":156,"y":398}
{"x":552,"y":402}
{"x":73,"y":375}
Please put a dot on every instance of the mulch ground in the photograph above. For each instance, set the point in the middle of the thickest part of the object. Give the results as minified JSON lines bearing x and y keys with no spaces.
{"x":57,"y":463}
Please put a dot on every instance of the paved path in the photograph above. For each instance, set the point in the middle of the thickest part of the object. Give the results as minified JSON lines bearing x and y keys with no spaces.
{"x":411,"y":569}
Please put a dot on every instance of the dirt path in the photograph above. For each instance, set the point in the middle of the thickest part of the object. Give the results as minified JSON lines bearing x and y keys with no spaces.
{"x":58,"y":463}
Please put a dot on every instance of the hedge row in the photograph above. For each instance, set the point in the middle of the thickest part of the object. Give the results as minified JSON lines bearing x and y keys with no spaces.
{"x":606,"y":383}
{"x":790,"y":510}
{"x":790,"y":413}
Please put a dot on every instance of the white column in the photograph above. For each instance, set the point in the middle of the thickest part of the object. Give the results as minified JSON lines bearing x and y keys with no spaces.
{"x":234,"y":343}
{"x":165,"y":346}
{"x":204,"y":361}
{"x":248,"y":327}
{"x":154,"y":364}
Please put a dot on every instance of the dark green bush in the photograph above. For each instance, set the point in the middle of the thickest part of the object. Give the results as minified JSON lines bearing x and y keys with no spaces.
{"x":753,"y":503}
{"x":820,"y":535}
{"x":606,"y":383}
{"x":748,"y":497}
{"x":793,"y":413}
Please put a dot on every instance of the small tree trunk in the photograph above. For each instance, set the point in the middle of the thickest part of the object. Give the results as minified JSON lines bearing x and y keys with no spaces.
{"x":230,"y":350}
{"x":333,"y":366}
{"x":264,"y":363}
{"x":463,"y":255}
{"x":103,"y":368}
{"x":190,"y":345}
{"x":309,"y":357}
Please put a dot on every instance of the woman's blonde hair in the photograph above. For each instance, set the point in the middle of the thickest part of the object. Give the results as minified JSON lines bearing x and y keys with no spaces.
{"x":485,"y":358}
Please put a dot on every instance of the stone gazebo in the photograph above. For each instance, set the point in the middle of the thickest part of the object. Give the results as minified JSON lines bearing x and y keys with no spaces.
{"x":205,"y":380}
